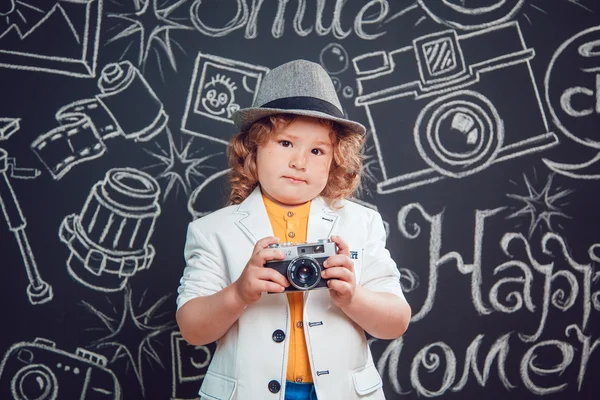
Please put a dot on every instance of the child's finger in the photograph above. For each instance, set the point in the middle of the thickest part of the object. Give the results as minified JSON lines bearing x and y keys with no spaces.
{"x":338,"y":273}
{"x":339,"y":260}
{"x":265,"y":243}
{"x":267,"y":254}
{"x":338,"y":286}
{"x":341,"y":245}
{"x":269,"y":274}
{"x":272,"y":287}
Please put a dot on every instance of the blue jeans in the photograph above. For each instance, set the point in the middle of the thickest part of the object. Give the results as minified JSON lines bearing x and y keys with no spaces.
{"x":300,"y":391}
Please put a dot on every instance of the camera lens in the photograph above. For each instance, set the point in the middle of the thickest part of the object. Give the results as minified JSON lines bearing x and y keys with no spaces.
{"x":36,"y":381}
{"x":304,"y":273}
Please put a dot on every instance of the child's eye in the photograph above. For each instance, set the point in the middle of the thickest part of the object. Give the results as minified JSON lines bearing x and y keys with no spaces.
{"x":317,"y":152}
{"x":285,"y":143}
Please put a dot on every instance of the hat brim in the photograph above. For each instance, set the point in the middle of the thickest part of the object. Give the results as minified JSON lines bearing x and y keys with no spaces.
{"x":245,"y":117}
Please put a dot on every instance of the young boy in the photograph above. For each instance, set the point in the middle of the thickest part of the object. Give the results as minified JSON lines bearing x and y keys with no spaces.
{"x":293,"y":164}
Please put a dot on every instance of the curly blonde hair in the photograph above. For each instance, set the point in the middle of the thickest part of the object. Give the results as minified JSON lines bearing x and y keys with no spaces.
{"x":344,"y":174}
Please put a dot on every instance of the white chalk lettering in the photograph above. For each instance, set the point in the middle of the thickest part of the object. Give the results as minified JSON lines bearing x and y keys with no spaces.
{"x":246,"y":17}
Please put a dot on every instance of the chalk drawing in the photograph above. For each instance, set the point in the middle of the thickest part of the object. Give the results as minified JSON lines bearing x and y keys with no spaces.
{"x":38,"y":291}
{"x":219,"y":87}
{"x":39,"y":370}
{"x":189,"y":365}
{"x":109,"y":240}
{"x":86,"y":124}
{"x":472,"y":15}
{"x":23,"y":44}
{"x":572,"y":86}
{"x":461,"y":125}
{"x":153,"y":23}
{"x":149,"y":325}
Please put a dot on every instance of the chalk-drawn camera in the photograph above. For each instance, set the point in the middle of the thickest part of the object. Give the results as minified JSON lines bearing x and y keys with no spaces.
{"x":470,"y":99}
{"x":37,"y":370}
{"x":303,"y":263}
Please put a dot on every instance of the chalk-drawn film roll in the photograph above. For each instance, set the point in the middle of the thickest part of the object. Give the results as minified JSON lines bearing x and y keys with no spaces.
{"x":109,"y":239}
{"x":126,"y":106}
{"x":125,"y":92}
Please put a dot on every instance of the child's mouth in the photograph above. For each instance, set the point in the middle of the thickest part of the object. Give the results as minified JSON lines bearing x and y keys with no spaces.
{"x":294,"y":180}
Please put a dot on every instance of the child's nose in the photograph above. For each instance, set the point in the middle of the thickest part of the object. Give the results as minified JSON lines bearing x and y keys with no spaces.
{"x":298,"y":160}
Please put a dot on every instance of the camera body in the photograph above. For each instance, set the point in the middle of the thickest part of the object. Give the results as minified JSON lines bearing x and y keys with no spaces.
{"x":458,"y":93}
{"x":303,"y":263}
{"x":39,"y":370}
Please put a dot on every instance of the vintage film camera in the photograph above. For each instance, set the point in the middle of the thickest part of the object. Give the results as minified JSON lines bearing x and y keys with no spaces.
{"x":450,"y":105}
{"x":38,"y":370}
{"x":303,"y":263}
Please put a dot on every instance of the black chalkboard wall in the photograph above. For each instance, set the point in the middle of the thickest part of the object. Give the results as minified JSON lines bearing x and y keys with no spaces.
{"x":483,"y":159}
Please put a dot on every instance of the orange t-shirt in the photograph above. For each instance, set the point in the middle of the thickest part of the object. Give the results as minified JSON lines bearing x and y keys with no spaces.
{"x":291,"y":225}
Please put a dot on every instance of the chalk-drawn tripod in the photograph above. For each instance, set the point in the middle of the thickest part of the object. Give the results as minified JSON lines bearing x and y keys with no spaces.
{"x":39,"y":292}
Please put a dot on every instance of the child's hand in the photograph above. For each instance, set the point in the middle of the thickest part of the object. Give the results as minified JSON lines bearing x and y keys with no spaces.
{"x":339,"y":269}
{"x":256,"y":279}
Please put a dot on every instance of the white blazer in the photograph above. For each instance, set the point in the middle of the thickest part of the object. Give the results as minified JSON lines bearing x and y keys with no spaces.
{"x":248,"y":363}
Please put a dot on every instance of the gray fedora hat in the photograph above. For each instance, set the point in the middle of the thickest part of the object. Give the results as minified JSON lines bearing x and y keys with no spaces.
{"x":298,"y":87}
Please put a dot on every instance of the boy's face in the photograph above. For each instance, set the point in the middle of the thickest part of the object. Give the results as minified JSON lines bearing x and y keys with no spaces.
{"x":293,"y":165}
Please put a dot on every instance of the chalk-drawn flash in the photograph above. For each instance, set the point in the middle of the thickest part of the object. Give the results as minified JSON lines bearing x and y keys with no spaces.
{"x":179,"y":165}
{"x":148,"y":324}
{"x":540,"y":205}
{"x":152,"y":22}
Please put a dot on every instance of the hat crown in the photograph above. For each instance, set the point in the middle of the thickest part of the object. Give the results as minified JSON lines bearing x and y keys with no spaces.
{"x":298,"y":78}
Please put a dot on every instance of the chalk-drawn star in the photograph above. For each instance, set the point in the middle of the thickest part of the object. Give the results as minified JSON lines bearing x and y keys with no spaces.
{"x":180,"y":167}
{"x":540,"y":206}
{"x":132,"y":335}
{"x":153,"y":23}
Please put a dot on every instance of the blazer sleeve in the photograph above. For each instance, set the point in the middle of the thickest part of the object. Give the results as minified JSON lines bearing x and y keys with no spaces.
{"x":205,"y":272}
{"x":379,"y":271}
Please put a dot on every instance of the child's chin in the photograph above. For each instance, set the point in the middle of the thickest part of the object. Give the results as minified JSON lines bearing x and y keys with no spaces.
{"x":293,"y":200}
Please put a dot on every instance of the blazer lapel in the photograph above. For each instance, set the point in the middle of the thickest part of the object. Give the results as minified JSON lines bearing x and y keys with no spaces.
{"x":254,"y":221}
{"x":321,"y":221}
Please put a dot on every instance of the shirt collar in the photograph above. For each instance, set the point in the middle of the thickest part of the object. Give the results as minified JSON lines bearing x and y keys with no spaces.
{"x":274,"y":209}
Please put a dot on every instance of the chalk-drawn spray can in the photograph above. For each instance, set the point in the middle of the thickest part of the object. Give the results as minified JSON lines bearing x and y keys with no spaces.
{"x":110,"y":238}
{"x":130,"y":100}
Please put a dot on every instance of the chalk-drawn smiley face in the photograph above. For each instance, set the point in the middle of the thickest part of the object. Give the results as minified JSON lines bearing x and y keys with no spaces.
{"x":219,"y":96}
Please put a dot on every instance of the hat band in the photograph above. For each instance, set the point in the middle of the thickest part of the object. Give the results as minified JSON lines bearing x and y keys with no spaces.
{"x":305,"y":103}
